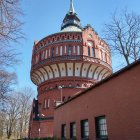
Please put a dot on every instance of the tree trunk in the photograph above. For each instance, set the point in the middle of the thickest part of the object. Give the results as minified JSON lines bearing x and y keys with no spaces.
{"x":127,"y":60}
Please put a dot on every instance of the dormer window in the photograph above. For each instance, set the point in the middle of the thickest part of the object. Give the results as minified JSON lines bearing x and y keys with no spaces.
{"x":89,"y":43}
{"x":90,"y":36}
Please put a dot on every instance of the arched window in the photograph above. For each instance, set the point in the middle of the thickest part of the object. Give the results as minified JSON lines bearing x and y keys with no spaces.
{"x":78,"y":37}
{"x":73,"y":37}
{"x":69,"y":50}
{"x":93,"y":52}
{"x":57,"y":38}
{"x":88,"y":51}
{"x":52,"y":52}
{"x":62,"y":37}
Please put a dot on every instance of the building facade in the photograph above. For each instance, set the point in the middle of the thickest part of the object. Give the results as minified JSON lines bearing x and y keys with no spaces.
{"x":109,"y":110}
{"x":63,"y":65}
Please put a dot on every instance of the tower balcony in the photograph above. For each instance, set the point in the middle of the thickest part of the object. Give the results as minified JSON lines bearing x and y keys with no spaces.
{"x":65,"y":58}
{"x":70,"y":66}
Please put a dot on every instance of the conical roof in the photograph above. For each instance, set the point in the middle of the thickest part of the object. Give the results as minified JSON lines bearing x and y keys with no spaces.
{"x":71,"y":21}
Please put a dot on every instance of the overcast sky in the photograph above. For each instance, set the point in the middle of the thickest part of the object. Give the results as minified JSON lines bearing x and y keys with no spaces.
{"x":44,"y":17}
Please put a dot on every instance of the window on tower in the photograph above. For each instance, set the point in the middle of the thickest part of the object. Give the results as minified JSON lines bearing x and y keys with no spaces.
{"x":88,"y":51}
{"x":60,"y":50}
{"x":78,"y":50}
{"x":93,"y":52}
{"x":57,"y":50}
{"x":74,"y":49}
{"x":69,"y":50}
{"x":45,"y":104}
{"x":52,"y":52}
{"x":46,"y":54}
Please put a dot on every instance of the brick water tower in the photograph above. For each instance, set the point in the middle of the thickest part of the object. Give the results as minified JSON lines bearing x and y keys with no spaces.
{"x":63,"y":64}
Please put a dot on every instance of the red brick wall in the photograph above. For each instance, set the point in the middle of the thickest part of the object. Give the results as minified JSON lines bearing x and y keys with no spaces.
{"x":54,"y":95}
{"x":34,"y":133}
{"x":118,"y":99}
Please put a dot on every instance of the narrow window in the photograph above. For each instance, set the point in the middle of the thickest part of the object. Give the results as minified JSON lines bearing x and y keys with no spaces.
{"x":37,"y":58}
{"x":106,"y":57}
{"x":63,"y":131}
{"x":73,"y":130}
{"x":61,"y":50}
{"x":42,"y":55}
{"x":84,"y":129}
{"x":101,"y":55}
{"x":48,"y":103}
{"x":46,"y":54}
{"x":93,"y":52}
{"x":78,"y":37}
{"x":69,"y":50}
{"x":88,"y":51}
{"x":49,"y":52}
{"x":57,"y":50}
{"x":101,"y":127}
{"x":65,"y":49}
{"x":45,"y":104}
{"x":74,"y":49}
{"x":78,"y":50}
{"x":52,"y":52}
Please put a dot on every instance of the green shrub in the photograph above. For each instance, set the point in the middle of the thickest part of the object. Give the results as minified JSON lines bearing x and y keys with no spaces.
{"x":49,"y":138}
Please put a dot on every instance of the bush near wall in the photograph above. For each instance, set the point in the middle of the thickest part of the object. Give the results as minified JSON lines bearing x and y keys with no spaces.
{"x":47,"y":139}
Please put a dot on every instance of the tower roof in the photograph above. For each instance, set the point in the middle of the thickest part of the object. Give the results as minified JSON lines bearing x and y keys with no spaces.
{"x":71,"y":7}
{"x":71,"y":21}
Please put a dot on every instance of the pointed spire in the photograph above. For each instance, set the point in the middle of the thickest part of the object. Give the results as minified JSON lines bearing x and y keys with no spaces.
{"x":71,"y":7}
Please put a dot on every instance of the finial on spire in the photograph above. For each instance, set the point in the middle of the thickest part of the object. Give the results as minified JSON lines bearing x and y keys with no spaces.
{"x":71,"y":7}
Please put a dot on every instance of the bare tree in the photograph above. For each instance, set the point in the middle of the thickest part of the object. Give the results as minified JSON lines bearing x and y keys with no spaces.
{"x":14,"y":117}
{"x":123,"y":35}
{"x":7,"y":58}
{"x":2,"y":120}
{"x":26,"y":102}
{"x":10,"y":32}
{"x":6,"y":81}
{"x":12,"y":114}
{"x":10,"y":25}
